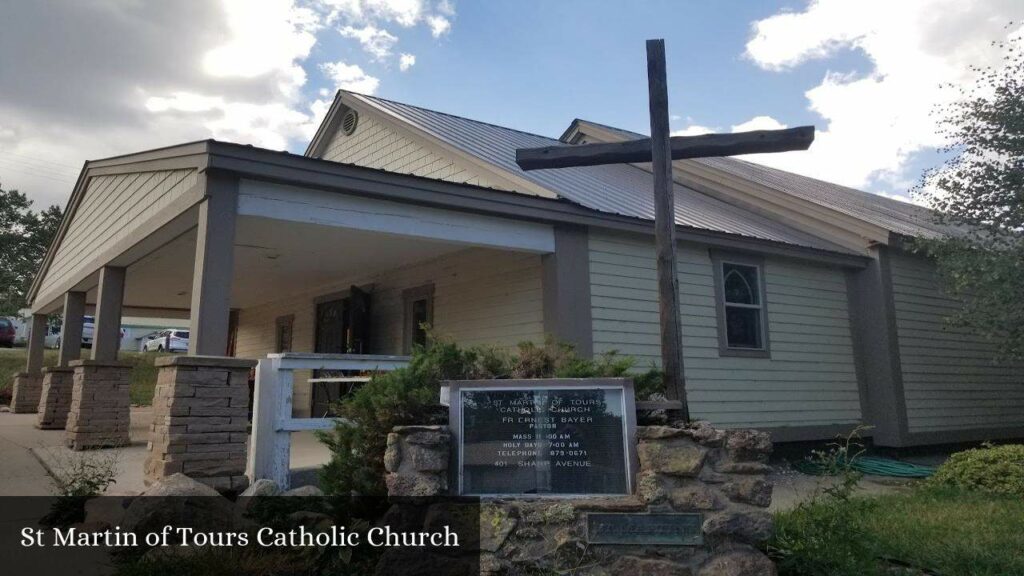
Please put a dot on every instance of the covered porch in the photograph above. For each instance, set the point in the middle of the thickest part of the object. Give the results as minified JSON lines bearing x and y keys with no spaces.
{"x":266,"y":253}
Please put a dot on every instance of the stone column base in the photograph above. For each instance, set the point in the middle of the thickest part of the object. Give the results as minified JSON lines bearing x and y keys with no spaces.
{"x":55,"y":400}
{"x":200,"y":417}
{"x":100,"y":405}
{"x":25,"y":392}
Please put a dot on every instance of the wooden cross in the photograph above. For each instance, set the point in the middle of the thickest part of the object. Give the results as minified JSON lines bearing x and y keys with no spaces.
{"x":661,"y":150}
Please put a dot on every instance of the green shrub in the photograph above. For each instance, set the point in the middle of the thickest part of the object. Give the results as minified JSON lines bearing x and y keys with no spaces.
{"x":410,"y":396}
{"x":997,"y":469}
{"x":826,"y":535}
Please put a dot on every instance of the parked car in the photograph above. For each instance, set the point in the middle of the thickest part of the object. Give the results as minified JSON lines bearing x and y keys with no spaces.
{"x":88,"y":327}
{"x":6,"y":333}
{"x":169,"y":340}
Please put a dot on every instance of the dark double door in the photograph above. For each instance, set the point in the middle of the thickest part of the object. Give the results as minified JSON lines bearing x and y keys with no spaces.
{"x":342,"y":327}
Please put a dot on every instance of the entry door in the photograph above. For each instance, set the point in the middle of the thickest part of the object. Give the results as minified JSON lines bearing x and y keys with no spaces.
{"x":330,"y":327}
{"x":342,"y":327}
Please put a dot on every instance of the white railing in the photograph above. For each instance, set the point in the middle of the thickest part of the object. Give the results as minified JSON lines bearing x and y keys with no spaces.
{"x":272,"y":422}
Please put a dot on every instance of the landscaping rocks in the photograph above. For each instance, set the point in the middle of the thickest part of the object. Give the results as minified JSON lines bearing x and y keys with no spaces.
{"x":200,"y":421}
{"x":99,"y":415}
{"x":304,"y":491}
{"x":261,"y":487}
{"x":738,"y":561}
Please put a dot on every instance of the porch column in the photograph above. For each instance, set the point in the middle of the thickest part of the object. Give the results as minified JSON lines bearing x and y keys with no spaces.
{"x":876,"y":349}
{"x":99,"y":414}
{"x":106,"y":338}
{"x":36,"y":343}
{"x":58,"y":381}
{"x":28,"y":385}
{"x":566,"y":278}
{"x":214,"y":265}
{"x":71,"y":332}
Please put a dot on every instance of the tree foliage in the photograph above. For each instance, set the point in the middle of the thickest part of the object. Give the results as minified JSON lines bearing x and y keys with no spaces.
{"x":979,"y":191}
{"x":25,"y":236}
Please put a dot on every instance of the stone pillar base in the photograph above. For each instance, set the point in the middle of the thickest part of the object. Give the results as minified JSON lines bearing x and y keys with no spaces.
{"x":200,"y":417}
{"x":25,"y":392}
{"x":100,"y":405}
{"x":55,"y":401}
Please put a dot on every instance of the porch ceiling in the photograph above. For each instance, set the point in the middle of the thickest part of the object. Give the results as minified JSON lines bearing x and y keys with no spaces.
{"x":274,"y":259}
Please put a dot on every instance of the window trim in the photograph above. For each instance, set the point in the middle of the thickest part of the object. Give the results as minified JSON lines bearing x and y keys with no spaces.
{"x":410,"y":295}
{"x":718,"y":259}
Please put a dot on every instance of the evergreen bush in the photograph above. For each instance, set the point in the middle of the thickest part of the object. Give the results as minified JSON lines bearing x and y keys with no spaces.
{"x":410,"y":396}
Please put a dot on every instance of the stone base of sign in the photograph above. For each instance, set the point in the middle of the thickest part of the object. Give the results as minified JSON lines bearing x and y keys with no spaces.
{"x":55,"y":400}
{"x":200,"y":418}
{"x":416,"y":460}
{"x":25,"y":392}
{"x":100,"y":411}
{"x":694,"y":468}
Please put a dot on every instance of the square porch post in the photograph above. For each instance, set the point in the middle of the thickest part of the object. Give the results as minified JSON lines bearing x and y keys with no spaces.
{"x":28,"y":385}
{"x":99,"y":415}
{"x":214,"y":266}
{"x":106,"y":338}
{"x":566,"y":289}
{"x":58,"y":381}
{"x":71,"y":332}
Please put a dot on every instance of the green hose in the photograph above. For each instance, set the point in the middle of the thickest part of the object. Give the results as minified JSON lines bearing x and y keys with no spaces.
{"x":874,"y":466}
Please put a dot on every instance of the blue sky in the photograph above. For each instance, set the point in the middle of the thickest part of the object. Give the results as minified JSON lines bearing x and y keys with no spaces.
{"x":87,"y":80}
{"x":537,"y":68}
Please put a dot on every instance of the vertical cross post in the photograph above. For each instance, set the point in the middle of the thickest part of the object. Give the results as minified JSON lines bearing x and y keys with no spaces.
{"x":665,"y":227}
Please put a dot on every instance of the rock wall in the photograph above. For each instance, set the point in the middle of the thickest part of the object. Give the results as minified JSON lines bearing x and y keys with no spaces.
{"x":696,"y":468}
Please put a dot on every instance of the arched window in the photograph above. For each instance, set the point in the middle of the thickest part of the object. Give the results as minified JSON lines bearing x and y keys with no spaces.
{"x":742,"y":325}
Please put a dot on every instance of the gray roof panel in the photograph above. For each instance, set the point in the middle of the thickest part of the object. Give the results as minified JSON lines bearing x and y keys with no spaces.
{"x":617,"y":189}
{"x":893,"y":215}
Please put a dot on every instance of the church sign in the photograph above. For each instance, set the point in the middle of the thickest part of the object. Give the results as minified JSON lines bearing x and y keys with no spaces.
{"x":559,"y":437}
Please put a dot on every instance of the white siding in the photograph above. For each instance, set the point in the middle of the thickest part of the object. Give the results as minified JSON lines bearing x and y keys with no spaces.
{"x":481,"y":296}
{"x":950,"y":378}
{"x":375,"y":145}
{"x":112,"y":208}
{"x":810,"y":378}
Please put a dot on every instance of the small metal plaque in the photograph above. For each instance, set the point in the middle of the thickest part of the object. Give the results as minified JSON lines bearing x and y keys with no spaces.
{"x":643,"y":528}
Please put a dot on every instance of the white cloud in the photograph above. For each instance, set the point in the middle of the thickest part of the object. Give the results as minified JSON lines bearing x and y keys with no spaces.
{"x":876,"y":122}
{"x":759,"y":123}
{"x":406,"y":61}
{"x":375,"y":41}
{"x":405,"y":13}
{"x":439,"y":25}
{"x":363,"y":20}
{"x":350,"y":77}
{"x":692,"y":130}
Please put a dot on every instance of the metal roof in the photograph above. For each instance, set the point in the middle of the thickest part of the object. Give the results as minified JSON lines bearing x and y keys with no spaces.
{"x":893,"y":215}
{"x":617,"y":189}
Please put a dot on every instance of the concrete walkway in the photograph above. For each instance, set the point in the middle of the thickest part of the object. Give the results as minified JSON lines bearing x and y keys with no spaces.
{"x":27,"y":452}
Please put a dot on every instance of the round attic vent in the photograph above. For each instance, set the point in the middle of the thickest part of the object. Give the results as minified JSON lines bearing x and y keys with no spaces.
{"x":349,"y":121}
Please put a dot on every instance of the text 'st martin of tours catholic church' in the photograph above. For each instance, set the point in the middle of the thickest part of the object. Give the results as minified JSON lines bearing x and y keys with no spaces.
{"x":802,"y":311}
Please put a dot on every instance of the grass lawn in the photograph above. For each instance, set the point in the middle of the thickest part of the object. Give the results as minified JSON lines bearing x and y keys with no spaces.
{"x":143,"y":371}
{"x":949,"y":532}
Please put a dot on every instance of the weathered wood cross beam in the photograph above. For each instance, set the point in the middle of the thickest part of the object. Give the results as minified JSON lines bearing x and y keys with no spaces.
{"x":660,"y":149}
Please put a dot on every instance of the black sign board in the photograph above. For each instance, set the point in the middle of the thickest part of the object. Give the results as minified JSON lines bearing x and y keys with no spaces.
{"x":544,"y":438}
{"x":642,"y":528}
